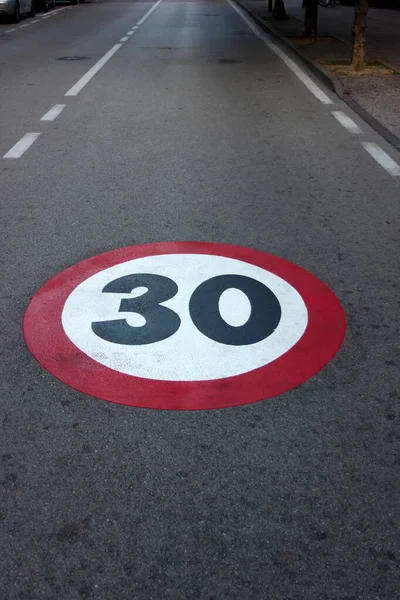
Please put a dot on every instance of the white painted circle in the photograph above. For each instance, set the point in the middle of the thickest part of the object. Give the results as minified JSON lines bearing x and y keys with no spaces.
{"x":188,"y":355}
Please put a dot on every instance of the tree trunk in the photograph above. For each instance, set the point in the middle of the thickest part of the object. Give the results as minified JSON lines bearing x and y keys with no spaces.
{"x":279,"y":12}
{"x":359,"y":26}
{"x":311,"y":19}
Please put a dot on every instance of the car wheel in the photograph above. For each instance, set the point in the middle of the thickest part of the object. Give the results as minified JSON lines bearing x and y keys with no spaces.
{"x":17,"y":15}
{"x":32,"y":12}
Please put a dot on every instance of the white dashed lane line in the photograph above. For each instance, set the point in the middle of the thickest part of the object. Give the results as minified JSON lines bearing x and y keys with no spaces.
{"x":57,"y":10}
{"x":74,"y":91}
{"x":348,"y":123}
{"x":146,"y":16}
{"x":52,"y":14}
{"x":22,"y":146}
{"x":382,"y":158}
{"x":29,"y":138}
{"x":53,"y":113}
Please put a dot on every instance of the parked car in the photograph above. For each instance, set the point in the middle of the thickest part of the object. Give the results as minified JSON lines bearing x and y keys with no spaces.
{"x":13,"y":9}
{"x":45,"y":5}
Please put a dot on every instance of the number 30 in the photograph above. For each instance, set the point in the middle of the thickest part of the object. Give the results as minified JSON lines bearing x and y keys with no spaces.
{"x":162,"y":322}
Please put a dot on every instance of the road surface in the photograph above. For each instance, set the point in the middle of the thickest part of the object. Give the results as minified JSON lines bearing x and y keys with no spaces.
{"x":194,"y":127}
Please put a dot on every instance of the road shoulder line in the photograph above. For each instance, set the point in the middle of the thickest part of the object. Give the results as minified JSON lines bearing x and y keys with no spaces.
{"x":382,"y":158}
{"x":346,"y":122}
{"x":264,"y":36}
{"x":331,"y":83}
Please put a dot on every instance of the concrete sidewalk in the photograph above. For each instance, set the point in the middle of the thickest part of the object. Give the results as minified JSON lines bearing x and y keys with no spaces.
{"x":379,"y":96}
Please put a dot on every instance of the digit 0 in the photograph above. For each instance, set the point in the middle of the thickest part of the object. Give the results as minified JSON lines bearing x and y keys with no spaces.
{"x":264,"y":317}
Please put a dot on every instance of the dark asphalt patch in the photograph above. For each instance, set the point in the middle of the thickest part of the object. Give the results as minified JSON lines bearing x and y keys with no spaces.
{"x":72,"y":58}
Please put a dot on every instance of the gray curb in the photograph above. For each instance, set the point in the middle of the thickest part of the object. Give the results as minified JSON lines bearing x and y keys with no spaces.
{"x":330,"y":82}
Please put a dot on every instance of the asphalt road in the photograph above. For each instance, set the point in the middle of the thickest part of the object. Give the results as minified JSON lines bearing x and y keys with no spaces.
{"x":195,"y":129}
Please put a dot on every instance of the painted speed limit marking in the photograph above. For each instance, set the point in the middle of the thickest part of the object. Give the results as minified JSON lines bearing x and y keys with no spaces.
{"x":184,"y":326}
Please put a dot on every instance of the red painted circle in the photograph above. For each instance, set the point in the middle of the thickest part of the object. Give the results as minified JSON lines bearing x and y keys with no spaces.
{"x":46,"y":339}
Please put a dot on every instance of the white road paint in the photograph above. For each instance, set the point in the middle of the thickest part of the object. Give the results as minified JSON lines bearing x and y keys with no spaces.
{"x":74,"y":91}
{"x":53,"y":113}
{"x":382,"y":158}
{"x":234,"y":307}
{"x":205,"y":359}
{"x":146,"y":16}
{"x":53,"y":12}
{"x":124,"y":39}
{"x":22,"y":146}
{"x":135,"y":27}
{"x":348,"y":123}
{"x":130,"y":33}
{"x":308,"y":82}
{"x":100,"y":64}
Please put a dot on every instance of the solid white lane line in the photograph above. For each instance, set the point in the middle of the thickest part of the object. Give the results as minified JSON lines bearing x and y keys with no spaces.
{"x":124,"y":39}
{"x":46,"y":17}
{"x":344,"y":120}
{"x":93,"y":71}
{"x":25,"y":25}
{"x":22,"y":146}
{"x":35,"y":21}
{"x":146,"y":16}
{"x":53,"y":113}
{"x":308,"y":82}
{"x":382,"y":158}
{"x":10,"y":30}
